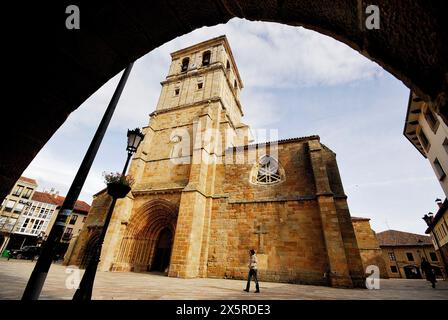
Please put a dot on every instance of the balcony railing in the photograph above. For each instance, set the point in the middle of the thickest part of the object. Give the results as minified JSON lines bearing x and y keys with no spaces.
{"x":66,"y":237}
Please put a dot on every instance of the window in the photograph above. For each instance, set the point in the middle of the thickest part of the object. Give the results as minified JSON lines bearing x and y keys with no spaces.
{"x":67,"y":234}
{"x":266,"y":171}
{"x":393,"y":269}
{"x":73,"y":219}
{"x":18,"y":190}
{"x":206,"y":58}
{"x":433,"y":256}
{"x":41,"y":213}
{"x":185,"y":63}
{"x":200,"y":84}
{"x":423,"y":139}
{"x":445,"y":145}
{"x":438,"y":169}
{"x":26,"y":223}
{"x":431,"y":119}
{"x":176,"y":91}
{"x":9,"y":205}
{"x":228,"y":65}
{"x":410,"y":256}
{"x":392,"y":256}
{"x":235,"y":84}
{"x":445,"y":229}
{"x":27,"y":193}
{"x":19,"y":207}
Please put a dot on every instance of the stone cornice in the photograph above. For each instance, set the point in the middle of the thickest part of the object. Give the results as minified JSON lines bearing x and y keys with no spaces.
{"x":286,"y":199}
{"x":191,"y":105}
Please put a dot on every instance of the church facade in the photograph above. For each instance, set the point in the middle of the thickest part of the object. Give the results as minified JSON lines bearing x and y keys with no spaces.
{"x":205,"y":194}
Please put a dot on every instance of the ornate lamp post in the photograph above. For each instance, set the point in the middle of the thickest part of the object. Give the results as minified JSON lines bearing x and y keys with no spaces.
{"x":117,"y":189}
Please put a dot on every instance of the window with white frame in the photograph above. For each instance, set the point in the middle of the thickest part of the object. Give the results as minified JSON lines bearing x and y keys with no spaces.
{"x":27,"y":193}
{"x":267,"y":171}
{"x":9,"y":205}
{"x":392,"y":256}
{"x":19,"y":208}
{"x":18,"y":190}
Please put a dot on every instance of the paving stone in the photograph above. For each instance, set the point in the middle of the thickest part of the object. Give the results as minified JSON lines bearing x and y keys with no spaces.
{"x":152,"y":286}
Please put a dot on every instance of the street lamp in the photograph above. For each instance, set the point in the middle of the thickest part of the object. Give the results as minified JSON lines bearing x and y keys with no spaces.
{"x":116,"y":190}
{"x":428,"y":219}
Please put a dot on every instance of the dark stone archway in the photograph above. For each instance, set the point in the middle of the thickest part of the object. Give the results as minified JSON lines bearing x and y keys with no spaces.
{"x":58,"y":68}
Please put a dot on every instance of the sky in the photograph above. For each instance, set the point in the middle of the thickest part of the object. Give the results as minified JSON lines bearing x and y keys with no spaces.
{"x":295,"y":80}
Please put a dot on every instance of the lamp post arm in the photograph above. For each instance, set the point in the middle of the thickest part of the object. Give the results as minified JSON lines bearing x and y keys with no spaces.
{"x":127,"y":163}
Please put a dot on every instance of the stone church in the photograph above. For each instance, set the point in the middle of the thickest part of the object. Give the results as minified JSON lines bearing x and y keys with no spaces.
{"x":204,"y":193}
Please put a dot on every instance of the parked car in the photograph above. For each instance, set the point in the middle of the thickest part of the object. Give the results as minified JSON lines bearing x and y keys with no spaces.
{"x":27,"y":252}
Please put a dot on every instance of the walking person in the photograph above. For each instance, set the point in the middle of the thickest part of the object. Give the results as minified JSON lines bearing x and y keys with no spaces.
{"x":429,"y":273}
{"x":252,"y":271}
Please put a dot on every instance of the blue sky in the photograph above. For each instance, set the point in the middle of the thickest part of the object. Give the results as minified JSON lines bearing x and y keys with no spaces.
{"x":297,"y":81}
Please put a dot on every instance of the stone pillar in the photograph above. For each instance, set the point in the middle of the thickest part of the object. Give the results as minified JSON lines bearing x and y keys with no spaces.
{"x":190,"y":248}
{"x":338,"y":273}
{"x":112,"y":241}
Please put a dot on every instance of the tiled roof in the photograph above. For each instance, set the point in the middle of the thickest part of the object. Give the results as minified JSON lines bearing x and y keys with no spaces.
{"x":298,"y":139}
{"x":360,"y":219}
{"x":29,"y":180}
{"x":400,"y":238}
{"x":79,"y":205}
{"x":44,"y":197}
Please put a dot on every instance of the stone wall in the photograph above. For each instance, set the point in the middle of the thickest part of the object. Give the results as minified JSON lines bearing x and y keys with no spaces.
{"x":369,"y":248}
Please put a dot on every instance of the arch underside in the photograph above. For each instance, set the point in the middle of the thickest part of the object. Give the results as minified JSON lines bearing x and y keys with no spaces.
{"x":70,"y":65}
{"x":89,"y":250}
{"x":139,"y":243}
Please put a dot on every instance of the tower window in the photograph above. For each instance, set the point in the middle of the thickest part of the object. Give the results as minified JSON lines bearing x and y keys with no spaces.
{"x":235,"y":85}
{"x":176,"y":91}
{"x":200,"y":85}
{"x":206,"y":58}
{"x":228,"y":65}
{"x":185,"y":63}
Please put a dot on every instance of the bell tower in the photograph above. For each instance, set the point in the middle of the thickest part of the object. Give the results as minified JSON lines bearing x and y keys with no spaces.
{"x":198,"y":115}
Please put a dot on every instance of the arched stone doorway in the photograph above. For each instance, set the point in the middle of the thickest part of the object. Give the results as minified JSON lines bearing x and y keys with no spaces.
{"x":162,"y":253}
{"x":146,"y":244}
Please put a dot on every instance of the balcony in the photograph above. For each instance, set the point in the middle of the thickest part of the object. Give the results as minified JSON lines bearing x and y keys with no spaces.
{"x":66,"y":237}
